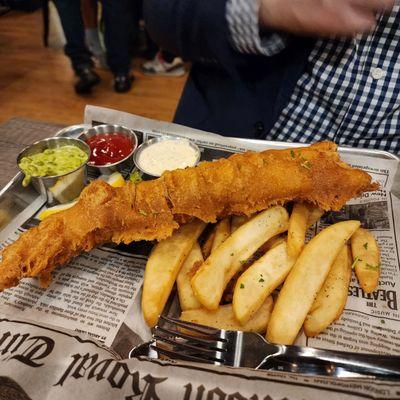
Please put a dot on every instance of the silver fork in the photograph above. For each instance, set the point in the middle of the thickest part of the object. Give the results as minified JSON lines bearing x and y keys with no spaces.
{"x":178,"y":339}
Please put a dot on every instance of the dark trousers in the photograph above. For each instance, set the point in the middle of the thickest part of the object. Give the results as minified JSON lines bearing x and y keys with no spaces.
{"x":117,"y":20}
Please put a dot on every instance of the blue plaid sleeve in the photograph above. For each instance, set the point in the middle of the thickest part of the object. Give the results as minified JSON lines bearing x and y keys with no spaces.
{"x":242,"y":18}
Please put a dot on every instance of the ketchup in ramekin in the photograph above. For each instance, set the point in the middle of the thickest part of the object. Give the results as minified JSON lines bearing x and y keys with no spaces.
{"x":109,"y":148}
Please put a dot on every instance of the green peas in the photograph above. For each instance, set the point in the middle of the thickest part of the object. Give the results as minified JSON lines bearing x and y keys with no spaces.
{"x":51,"y":162}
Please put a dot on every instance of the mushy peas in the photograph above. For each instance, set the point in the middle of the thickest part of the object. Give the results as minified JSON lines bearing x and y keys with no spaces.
{"x":52,"y":162}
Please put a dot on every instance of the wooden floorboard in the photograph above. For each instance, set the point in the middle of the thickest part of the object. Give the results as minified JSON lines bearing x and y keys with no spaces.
{"x":37,"y":82}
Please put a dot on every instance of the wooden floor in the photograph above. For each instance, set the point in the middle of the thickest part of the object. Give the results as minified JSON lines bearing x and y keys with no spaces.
{"x":37,"y":82}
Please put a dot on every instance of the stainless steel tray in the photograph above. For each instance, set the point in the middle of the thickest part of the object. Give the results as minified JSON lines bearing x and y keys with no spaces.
{"x":23,"y":203}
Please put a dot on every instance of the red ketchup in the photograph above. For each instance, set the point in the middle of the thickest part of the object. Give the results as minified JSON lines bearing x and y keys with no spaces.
{"x":109,"y":148}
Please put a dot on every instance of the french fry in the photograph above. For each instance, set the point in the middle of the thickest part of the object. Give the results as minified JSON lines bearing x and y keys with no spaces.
{"x":259,"y":281}
{"x":163,"y":267}
{"x":213,"y":276}
{"x":314,"y":215}
{"x":367,"y":259}
{"x":222,"y":231}
{"x":224,"y":318}
{"x":273,"y":242}
{"x":297,"y":229}
{"x":331,"y":299}
{"x":187,"y":299}
{"x":237,"y":221}
{"x":305,"y":281}
{"x":207,"y":246}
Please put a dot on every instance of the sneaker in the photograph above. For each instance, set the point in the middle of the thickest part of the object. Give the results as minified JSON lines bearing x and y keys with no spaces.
{"x":87,"y":78}
{"x":123,"y":83}
{"x":158,"y":66}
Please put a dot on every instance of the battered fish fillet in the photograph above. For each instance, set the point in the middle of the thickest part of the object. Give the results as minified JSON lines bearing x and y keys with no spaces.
{"x":152,"y":210}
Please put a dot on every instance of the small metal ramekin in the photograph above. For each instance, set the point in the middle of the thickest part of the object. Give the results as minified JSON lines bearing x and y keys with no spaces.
{"x":143,"y":146}
{"x":58,"y":189}
{"x":119,"y":165}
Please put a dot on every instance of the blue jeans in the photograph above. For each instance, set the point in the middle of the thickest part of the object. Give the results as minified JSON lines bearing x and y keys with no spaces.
{"x":117,"y":20}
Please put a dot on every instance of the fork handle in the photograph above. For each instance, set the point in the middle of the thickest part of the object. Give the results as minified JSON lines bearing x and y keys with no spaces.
{"x":368,"y":364}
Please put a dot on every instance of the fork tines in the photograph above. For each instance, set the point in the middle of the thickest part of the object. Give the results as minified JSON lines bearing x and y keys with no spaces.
{"x":189,"y":341}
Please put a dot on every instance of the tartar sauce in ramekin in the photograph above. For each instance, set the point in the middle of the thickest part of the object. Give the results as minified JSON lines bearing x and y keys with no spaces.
{"x":167,"y":155}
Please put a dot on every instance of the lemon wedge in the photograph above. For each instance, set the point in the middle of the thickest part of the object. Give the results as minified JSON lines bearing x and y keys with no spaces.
{"x":56,"y":209}
{"x":115,"y":180}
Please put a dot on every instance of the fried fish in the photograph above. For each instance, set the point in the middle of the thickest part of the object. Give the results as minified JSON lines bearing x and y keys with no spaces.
{"x":239,"y":185}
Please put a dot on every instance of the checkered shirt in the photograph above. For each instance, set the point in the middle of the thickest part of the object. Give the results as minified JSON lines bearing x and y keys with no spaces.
{"x":349,"y":90}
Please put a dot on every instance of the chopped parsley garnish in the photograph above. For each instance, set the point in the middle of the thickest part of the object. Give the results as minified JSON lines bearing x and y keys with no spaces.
{"x":135,"y":177}
{"x":365,"y":245}
{"x":232,"y":254}
{"x":292,"y":154}
{"x":241,"y":286}
{"x":143,"y":212}
{"x":261,"y":280}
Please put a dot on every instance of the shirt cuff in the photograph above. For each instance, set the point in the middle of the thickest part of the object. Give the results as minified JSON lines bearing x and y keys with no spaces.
{"x":242,"y":18}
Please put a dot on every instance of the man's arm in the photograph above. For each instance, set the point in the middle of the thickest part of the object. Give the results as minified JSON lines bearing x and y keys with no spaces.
{"x":324,"y":18}
{"x":199,"y":29}
{"x":247,"y":35}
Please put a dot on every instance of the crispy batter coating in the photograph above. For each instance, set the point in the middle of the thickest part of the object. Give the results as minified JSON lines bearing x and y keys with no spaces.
{"x":242,"y":184}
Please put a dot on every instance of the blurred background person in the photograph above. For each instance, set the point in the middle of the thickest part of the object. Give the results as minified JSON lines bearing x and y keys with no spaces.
{"x":90,"y":16}
{"x":116,"y":37}
{"x":160,"y":62}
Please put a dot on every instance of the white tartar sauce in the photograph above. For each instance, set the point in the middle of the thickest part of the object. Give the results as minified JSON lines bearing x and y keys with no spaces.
{"x":167,"y":155}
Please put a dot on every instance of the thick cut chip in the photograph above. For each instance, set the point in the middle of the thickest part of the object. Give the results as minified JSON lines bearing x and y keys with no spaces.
{"x":214,"y":275}
{"x":237,"y":221}
{"x":163,"y":266}
{"x":305,"y":281}
{"x":297,"y":229}
{"x":331,"y":299}
{"x":314,"y":215}
{"x":187,"y":299}
{"x":273,"y":242}
{"x":222,"y":231}
{"x":259,"y":281}
{"x":224,"y":318}
{"x":366,"y":259}
{"x":208,"y":243}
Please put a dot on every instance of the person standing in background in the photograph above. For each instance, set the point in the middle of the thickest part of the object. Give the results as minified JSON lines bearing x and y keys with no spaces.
{"x":90,"y":12}
{"x":117,"y":27}
{"x":161,"y":63}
